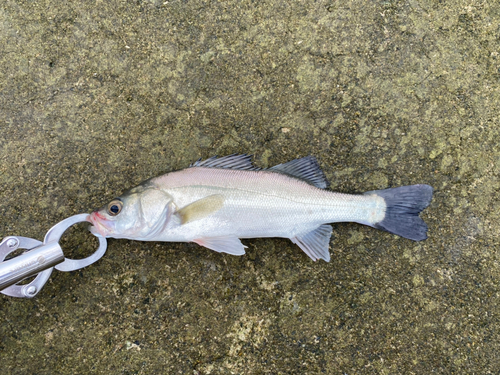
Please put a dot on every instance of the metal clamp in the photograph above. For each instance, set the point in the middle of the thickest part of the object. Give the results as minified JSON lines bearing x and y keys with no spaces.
{"x":40,"y":259}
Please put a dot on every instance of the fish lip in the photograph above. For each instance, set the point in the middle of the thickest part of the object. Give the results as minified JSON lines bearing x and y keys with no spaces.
{"x":99,"y":224}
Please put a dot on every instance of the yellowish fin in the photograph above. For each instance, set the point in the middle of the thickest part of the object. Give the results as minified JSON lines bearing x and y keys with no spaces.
{"x":201,"y":208}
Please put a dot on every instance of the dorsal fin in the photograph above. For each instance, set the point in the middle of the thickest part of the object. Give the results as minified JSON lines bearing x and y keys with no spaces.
{"x":234,"y":161}
{"x":306,"y":168}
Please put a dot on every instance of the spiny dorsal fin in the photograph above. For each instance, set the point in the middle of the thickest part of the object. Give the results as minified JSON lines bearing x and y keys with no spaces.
{"x":234,"y":161}
{"x":306,"y":168}
{"x":200,"y":208}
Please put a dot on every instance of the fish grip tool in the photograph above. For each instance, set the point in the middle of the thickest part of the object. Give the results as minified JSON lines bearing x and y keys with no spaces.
{"x":40,"y":259}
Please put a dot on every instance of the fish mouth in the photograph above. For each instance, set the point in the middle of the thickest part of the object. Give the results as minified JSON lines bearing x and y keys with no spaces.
{"x":100,"y":226}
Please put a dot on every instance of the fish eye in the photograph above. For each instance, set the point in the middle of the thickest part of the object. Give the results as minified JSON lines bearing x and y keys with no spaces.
{"x":114,"y":207}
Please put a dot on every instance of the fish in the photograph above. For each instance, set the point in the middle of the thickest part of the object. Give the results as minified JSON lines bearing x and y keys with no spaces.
{"x":221,"y":200}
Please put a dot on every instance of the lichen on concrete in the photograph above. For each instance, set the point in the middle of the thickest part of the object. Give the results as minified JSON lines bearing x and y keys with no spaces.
{"x":97,"y":96}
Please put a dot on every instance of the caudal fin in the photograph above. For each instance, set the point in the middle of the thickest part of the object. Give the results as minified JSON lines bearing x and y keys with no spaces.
{"x":403,"y":204}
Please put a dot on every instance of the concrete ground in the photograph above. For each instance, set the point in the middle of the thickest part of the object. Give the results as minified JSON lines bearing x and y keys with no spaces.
{"x":96,"y":96}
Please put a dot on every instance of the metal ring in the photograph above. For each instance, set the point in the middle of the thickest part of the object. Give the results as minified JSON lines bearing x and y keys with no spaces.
{"x":55,"y":233}
{"x":29,"y":290}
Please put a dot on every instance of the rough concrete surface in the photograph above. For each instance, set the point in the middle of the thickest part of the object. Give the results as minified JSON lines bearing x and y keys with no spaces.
{"x":96,"y":96}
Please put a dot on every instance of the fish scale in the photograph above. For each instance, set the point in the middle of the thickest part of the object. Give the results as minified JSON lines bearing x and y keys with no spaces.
{"x":259,"y":203}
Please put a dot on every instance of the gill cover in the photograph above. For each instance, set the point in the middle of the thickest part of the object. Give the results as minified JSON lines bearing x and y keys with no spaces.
{"x":139,"y":214}
{"x":155,"y":211}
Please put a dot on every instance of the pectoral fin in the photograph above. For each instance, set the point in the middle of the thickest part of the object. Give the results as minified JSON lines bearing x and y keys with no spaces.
{"x":225,"y":244}
{"x":201,"y":208}
{"x":316,"y":243}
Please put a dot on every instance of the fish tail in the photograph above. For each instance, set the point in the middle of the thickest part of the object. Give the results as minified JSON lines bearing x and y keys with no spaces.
{"x":403,"y":205}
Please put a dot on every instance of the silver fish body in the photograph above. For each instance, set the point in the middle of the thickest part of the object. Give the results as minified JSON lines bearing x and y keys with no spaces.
{"x":220,"y":200}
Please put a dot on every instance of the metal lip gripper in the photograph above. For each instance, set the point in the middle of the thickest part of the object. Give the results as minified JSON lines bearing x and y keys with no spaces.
{"x":40,"y":259}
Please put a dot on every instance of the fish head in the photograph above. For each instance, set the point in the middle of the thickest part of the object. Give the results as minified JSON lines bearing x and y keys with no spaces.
{"x":139,"y":214}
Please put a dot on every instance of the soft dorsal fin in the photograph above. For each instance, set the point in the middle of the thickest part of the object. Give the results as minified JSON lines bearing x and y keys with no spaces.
{"x":234,"y":161}
{"x":200,"y":208}
{"x":306,"y":168}
{"x":316,"y":243}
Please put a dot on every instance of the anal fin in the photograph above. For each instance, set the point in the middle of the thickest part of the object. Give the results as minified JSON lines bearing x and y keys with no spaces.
{"x":315,"y":243}
{"x":224,"y":244}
